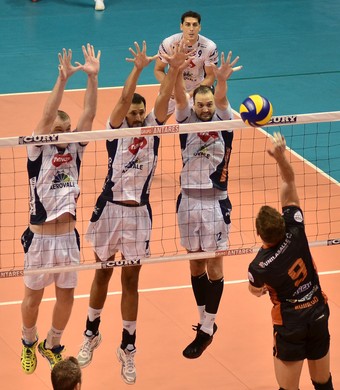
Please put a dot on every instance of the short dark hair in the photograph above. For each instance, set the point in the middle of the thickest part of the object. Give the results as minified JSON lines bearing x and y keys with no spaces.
{"x":191,"y":14}
{"x":63,"y":115}
{"x":270,"y":225}
{"x":137,"y":99}
{"x":201,"y":89}
{"x":66,"y":374}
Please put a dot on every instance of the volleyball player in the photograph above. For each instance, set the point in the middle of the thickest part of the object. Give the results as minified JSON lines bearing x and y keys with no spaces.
{"x":66,"y":375}
{"x":203,"y":206}
{"x":199,"y":70}
{"x":284,"y":267}
{"x":51,"y":238}
{"x":121,"y":220}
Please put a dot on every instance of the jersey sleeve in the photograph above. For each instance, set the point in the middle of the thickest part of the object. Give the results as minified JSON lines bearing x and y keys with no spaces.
{"x":212,"y":55}
{"x":254,"y":277}
{"x":164,"y":48}
{"x":226,"y":114}
{"x":183,"y":115}
{"x":34,"y":151}
{"x":293,"y":216}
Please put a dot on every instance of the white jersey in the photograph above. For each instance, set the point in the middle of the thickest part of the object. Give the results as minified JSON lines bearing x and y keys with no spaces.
{"x":205,"y":53}
{"x":205,"y":155}
{"x":132,"y":163}
{"x":53,"y":180}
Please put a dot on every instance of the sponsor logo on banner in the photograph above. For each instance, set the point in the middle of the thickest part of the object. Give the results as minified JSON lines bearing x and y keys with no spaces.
{"x":234,"y":252}
{"x":335,"y":241}
{"x":11,"y":274}
{"x":165,"y":129}
{"x":282,"y":119}
{"x":119,"y":263}
{"x":34,"y":139}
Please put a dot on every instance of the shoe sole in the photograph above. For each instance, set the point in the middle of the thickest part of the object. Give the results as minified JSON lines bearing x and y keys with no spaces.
{"x":89,"y":362}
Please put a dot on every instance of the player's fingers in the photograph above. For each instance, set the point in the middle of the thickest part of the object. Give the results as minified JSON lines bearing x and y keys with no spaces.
{"x":237,"y":68}
{"x":235,"y":61}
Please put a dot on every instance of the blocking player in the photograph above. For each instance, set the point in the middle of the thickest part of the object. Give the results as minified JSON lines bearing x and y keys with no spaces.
{"x":51,"y":238}
{"x":203,"y":206}
{"x":121,"y":220}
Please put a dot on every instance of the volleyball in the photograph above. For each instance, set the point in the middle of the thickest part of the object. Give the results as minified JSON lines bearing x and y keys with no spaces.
{"x":256,"y":110}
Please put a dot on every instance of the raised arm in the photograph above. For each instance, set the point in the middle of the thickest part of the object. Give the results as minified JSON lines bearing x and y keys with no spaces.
{"x":177,"y":61}
{"x":288,"y":193}
{"x":91,"y":68}
{"x":222,"y":74}
{"x":66,"y":70}
{"x":159,"y":70}
{"x":140,"y":61}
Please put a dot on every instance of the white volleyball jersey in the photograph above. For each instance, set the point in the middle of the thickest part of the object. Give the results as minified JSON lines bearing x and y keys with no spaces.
{"x":205,"y":155}
{"x":132,"y":163}
{"x":205,"y":53}
{"x":53,"y":180}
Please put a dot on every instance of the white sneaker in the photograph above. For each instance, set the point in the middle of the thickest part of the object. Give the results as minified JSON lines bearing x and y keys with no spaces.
{"x":127,"y":358}
{"x":86,"y":350}
{"x":100,"y":6}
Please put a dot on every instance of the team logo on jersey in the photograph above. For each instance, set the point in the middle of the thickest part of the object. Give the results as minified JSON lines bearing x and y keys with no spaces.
{"x":206,"y":136}
{"x":138,"y":143}
{"x":191,"y":64}
{"x":298,"y":216}
{"x":59,"y":159}
{"x":134,"y":164}
{"x":187,"y":75}
{"x":61,"y":180}
{"x":250,"y":277}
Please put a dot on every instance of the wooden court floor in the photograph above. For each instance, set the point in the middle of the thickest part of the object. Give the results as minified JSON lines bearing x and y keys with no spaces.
{"x":240,"y":356}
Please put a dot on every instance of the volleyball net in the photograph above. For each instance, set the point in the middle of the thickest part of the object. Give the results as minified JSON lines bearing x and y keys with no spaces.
{"x":313,"y":148}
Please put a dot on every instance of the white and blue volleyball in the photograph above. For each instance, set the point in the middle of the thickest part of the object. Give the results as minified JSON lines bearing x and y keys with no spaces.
{"x":256,"y":110}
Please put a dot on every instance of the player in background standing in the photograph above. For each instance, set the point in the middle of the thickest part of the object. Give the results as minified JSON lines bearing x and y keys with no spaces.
{"x":199,"y":70}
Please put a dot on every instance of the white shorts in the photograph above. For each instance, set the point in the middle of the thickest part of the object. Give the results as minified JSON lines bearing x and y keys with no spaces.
{"x":204,"y":224}
{"x":48,"y":251}
{"x":116,"y":228}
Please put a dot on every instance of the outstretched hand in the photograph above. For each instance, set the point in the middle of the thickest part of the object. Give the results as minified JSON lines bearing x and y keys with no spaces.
{"x":92,"y":62}
{"x":227,"y":67}
{"x":279,"y":145}
{"x":180,"y":56}
{"x":140,"y":59}
{"x":66,"y":69}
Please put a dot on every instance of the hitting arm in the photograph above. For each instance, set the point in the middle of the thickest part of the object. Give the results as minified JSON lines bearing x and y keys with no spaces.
{"x":288,"y":193}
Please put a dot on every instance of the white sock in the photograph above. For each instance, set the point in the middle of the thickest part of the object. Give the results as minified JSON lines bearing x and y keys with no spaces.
{"x":130,"y":326}
{"x":53,"y":338}
{"x":93,"y":313}
{"x":29,"y":335}
{"x":208,"y":323}
{"x":201,"y":312}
